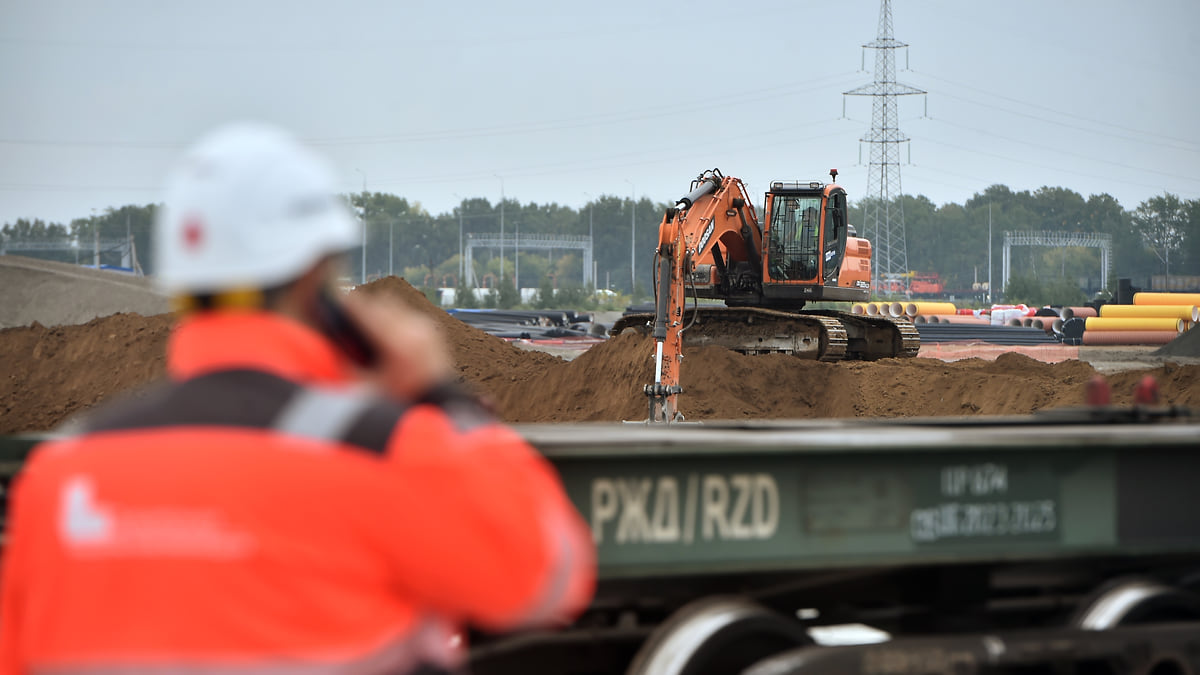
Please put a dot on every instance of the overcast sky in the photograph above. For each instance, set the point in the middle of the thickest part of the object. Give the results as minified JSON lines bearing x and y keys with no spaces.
{"x":565,"y":99}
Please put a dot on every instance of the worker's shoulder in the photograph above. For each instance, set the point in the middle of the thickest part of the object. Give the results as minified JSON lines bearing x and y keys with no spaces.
{"x":253,"y":400}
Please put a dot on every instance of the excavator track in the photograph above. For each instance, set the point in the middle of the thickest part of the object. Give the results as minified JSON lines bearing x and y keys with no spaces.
{"x":816,"y":335}
{"x":876,"y":337}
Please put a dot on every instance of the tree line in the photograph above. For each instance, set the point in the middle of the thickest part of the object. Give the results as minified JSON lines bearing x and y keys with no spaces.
{"x":1160,"y":236}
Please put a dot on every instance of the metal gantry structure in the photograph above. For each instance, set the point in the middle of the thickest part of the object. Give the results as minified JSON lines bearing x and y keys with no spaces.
{"x":528,"y":242}
{"x":122,"y":245}
{"x":1057,"y":240}
{"x":883,"y":220}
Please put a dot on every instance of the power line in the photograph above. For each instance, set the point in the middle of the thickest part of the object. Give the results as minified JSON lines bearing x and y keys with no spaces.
{"x":1171,"y":142}
{"x":1043,"y":146}
{"x":1123,"y":181}
{"x":660,"y":155}
{"x":673,"y":109}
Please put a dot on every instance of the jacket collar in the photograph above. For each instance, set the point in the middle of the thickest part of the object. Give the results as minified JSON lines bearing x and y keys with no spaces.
{"x":255,"y":340}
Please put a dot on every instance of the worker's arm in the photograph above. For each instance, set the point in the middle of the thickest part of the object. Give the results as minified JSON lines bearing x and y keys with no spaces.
{"x":482,"y":529}
{"x":12,"y":661}
{"x":476,"y":522}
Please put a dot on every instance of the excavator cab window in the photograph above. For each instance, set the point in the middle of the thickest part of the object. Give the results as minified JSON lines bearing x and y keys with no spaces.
{"x":795,"y":238}
{"x":835,"y":235}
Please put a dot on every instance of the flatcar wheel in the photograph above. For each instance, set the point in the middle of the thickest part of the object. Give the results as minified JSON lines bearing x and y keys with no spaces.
{"x":1135,"y":600}
{"x":716,"y":636}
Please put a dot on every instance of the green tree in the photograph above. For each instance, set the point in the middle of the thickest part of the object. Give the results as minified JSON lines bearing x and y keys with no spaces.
{"x":507,"y":296}
{"x":464,"y":295}
{"x":1062,"y":293}
{"x":545,"y":293}
{"x":1162,"y":223}
{"x":574,"y":296}
{"x":1024,"y":289}
{"x":36,"y":231}
{"x":1191,"y":241}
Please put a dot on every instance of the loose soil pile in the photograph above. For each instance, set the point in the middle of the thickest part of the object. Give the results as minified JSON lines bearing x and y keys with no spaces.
{"x":47,"y":374}
{"x":50,"y":373}
{"x":1187,"y":344}
{"x":57,"y":294}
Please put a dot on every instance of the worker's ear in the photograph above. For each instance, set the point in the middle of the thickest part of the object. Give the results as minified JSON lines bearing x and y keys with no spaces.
{"x":295,"y":299}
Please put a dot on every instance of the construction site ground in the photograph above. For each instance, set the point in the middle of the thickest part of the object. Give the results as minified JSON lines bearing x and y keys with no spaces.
{"x":71,"y":338}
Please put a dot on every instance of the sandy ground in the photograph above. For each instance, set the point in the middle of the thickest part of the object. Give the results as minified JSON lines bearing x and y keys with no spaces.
{"x":52,"y":370}
{"x":58,"y":294}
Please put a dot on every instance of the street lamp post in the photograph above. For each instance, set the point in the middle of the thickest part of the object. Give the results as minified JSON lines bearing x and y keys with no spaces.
{"x":501,"y":225}
{"x":391,"y":245}
{"x":632,"y":238}
{"x":363,"y":216}
{"x":591,"y":238}
{"x":461,"y":263}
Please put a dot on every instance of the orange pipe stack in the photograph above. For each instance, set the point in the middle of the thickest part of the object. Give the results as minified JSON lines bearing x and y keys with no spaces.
{"x":1128,"y":337}
{"x":1080,"y":312}
{"x":1153,"y":319}
{"x":959,"y":319}
{"x":1046,"y":323}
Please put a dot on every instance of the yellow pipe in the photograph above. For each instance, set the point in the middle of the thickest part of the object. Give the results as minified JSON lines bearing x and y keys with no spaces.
{"x":1166,"y":298}
{"x":1133,"y":323}
{"x":913,"y":309}
{"x":1189,"y":312}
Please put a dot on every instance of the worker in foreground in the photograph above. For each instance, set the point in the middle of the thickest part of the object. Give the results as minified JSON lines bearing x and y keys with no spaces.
{"x":308,"y":492}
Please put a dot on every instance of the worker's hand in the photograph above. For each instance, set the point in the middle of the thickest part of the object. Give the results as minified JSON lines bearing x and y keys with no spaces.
{"x":411,"y":350}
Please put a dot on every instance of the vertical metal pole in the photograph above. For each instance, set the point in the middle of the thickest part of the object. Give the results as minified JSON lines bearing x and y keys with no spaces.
{"x":391,"y":247}
{"x":364,"y":226}
{"x":127,"y":259}
{"x":989,"y":293}
{"x":591,"y":243}
{"x":632,"y":238}
{"x":501,"y":225}
{"x":461,"y":263}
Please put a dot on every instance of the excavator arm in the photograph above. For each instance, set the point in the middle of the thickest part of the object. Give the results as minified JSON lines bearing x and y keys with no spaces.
{"x":716,"y":220}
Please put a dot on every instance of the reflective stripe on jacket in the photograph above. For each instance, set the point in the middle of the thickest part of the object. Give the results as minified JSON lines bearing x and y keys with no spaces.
{"x":260,"y":512}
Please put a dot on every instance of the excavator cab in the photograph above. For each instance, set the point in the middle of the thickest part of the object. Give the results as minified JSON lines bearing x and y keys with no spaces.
{"x":806,"y":233}
{"x":794,"y":237}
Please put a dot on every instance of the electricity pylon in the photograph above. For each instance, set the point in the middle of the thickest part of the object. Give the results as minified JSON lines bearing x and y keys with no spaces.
{"x":883,"y":220}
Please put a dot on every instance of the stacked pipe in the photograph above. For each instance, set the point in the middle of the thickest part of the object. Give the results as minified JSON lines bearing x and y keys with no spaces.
{"x":1152,"y":319}
{"x":1001,"y":335}
{"x":959,"y":319}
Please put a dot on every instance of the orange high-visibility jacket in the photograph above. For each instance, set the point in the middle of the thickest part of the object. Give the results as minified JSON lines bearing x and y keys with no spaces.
{"x":259,"y":512}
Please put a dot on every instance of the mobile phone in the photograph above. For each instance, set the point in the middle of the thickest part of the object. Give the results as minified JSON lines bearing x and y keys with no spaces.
{"x":337,"y":325}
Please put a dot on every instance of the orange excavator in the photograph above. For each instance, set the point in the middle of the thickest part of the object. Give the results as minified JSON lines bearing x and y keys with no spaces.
{"x":712,"y":245}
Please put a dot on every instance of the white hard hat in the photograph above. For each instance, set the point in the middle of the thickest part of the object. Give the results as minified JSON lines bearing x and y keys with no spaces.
{"x":247,"y":207}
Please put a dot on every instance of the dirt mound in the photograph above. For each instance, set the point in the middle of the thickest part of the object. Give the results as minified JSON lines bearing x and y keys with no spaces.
{"x":50,"y":373}
{"x":1187,"y":344}
{"x":56,"y":294}
{"x":491,"y":364}
{"x":605,"y":384}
